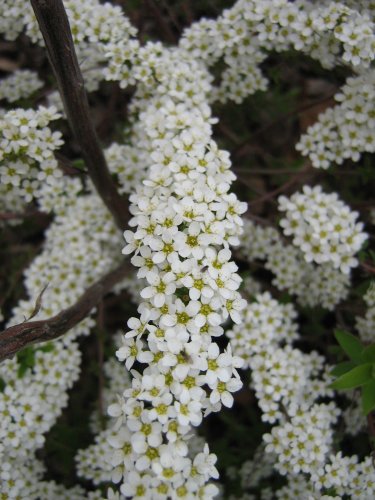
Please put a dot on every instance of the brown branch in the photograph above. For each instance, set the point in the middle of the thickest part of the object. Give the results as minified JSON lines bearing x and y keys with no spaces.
{"x":16,"y":337}
{"x":264,"y":171}
{"x":21,"y":215}
{"x":100,"y":335}
{"x":241,"y":148}
{"x":271,"y":194}
{"x":153,"y":7}
{"x":54,"y":25}
{"x":368,"y":267}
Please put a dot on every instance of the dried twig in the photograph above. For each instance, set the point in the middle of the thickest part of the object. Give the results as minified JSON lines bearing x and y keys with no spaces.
{"x":16,"y":337}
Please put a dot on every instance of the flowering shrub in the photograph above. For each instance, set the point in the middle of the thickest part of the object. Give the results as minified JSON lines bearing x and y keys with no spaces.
{"x":232,"y":280}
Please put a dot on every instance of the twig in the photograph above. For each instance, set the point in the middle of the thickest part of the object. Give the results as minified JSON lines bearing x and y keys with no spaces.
{"x":241,"y":148}
{"x":100,"y":332}
{"x":16,"y":337}
{"x":367,"y":267}
{"x":20,"y":215}
{"x":54,"y":25}
{"x":271,"y":194}
{"x":172,"y":16}
{"x":162,"y":23}
{"x":264,"y":171}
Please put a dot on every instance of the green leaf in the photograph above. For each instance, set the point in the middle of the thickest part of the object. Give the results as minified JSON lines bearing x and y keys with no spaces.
{"x":342,"y":368}
{"x":26,"y":360}
{"x":79,"y":163}
{"x":48,"y":347}
{"x":2,"y":384}
{"x":368,"y":354}
{"x":368,"y":397}
{"x":350,"y":344}
{"x":354,"y":378}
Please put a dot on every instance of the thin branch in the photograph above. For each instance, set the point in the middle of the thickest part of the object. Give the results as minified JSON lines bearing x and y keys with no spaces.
{"x":100,"y":335}
{"x":161,"y":21}
{"x":54,"y":25}
{"x":21,"y":215}
{"x":271,"y":194}
{"x":264,"y":171}
{"x":16,"y":337}
{"x":241,"y":148}
{"x":368,"y":267}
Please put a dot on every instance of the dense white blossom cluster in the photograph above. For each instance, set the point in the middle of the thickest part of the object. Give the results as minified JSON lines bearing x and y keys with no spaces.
{"x":81,"y":245}
{"x":288,"y":384}
{"x":245,"y":34}
{"x":302,"y":443}
{"x":323,"y":227}
{"x":282,"y":377}
{"x":184,"y":221}
{"x":128,"y":162}
{"x":22,"y":83}
{"x":27,"y":162}
{"x":186,"y":287}
{"x":312,"y":285}
{"x":94,"y":25}
{"x":346,"y":130}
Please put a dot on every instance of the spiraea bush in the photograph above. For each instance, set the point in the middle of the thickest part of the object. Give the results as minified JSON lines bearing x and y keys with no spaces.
{"x":235,"y":357}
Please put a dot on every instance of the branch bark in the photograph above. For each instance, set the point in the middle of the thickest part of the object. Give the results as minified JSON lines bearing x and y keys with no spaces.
{"x":16,"y":337}
{"x":54,"y":25}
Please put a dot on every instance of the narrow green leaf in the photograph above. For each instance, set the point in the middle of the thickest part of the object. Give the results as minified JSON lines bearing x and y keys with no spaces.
{"x":48,"y":347}
{"x":350,"y":344}
{"x":368,"y":397}
{"x":368,"y":354}
{"x":26,"y":360}
{"x":354,"y":378}
{"x":342,"y":368}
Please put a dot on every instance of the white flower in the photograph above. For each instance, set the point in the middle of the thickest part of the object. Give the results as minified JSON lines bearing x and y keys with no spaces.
{"x":205,"y":462}
{"x":218,"y":365}
{"x":197,"y":284}
{"x":189,"y":413}
{"x":221,"y":391}
{"x":162,"y":285}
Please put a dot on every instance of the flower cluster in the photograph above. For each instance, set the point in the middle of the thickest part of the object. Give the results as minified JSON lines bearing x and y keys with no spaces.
{"x":288,"y":384}
{"x":345,"y":131}
{"x":93,"y":25}
{"x":22,"y":83}
{"x":247,"y":32}
{"x":184,"y":221}
{"x":128,"y":163}
{"x":323,"y":227}
{"x":303,"y":442}
{"x":81,"y":245}
{"x":282,"y":377}
{"x":27,"y":146}
{"x":313,"y":285}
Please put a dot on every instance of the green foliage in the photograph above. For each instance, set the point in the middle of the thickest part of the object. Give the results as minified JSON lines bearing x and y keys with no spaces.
{"x":26,"y":360}
{"x":26,"y":357}
{"x":350,"y":344}
{"x":359,"y":372}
